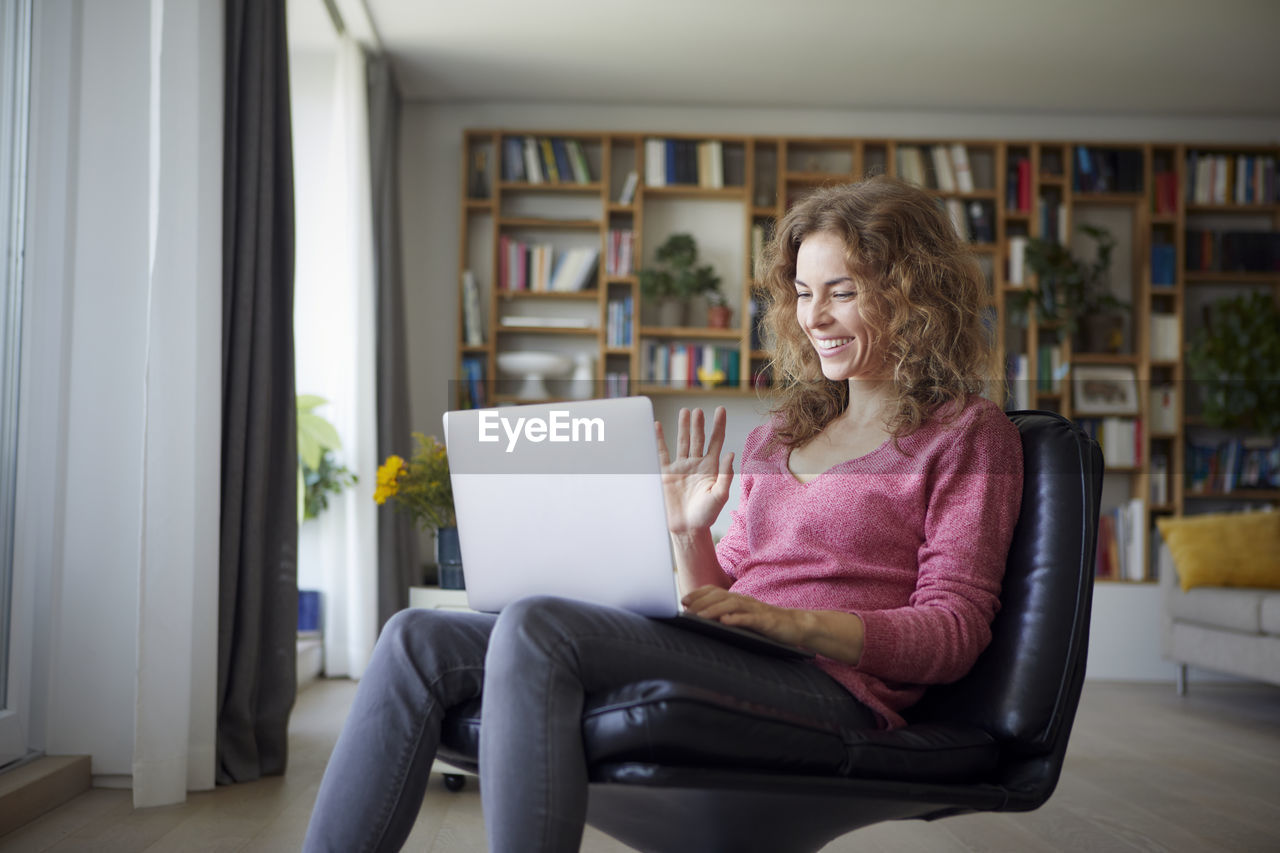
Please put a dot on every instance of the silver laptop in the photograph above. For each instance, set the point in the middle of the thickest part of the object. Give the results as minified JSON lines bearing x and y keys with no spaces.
{"x":566,"y":499}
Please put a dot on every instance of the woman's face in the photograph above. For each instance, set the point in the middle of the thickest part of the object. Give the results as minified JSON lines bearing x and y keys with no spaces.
{"x":827,"y":310}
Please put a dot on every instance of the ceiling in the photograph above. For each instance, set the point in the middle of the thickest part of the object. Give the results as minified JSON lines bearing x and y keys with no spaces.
{"x":1153,"y":57}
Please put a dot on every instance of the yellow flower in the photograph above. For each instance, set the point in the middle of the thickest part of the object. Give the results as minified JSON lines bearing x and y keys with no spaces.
{"x":388,"y":479}
{"x":419,"y":486}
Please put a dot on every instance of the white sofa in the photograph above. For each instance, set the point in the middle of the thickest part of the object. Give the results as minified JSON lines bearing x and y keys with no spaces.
{"x":1235,"y":630}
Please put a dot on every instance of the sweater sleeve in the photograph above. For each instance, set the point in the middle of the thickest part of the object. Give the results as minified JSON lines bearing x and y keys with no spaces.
{"x":973,"y":503}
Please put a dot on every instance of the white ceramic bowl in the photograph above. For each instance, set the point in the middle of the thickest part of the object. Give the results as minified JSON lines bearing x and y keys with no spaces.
{"x":534,"y":367}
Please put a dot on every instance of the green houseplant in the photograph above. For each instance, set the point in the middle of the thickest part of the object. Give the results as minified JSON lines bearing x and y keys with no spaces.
{"x":1073,"y":291}
{"x":676,"y":278}
{"x":1235,"y":362}
{"x":320,"y":474}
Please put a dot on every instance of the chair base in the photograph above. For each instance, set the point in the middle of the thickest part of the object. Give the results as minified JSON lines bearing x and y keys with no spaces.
{"x":660,"y":815}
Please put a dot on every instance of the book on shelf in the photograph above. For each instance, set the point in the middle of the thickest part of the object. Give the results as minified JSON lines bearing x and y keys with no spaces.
{"x":980,"y":219}
{"x":574,"y":270}
{"x":513,"y":168}
{"x":1119,"y":437}
{"x":1017,"y":260}
{"x":532,"y":161}
{"x":628,"y":193}
{"x":1164,"y":260}
{"x":963,"y":172}
{"x":1165,"y":339}
{"x":619,"y":259}
{"x":942,"y":168}
{"x":1164,"y":408}
{"x":1018,"y":378}
{"x":959,"y":221}
{"x":1164,"y":197}
{"x":1122,"y":542}
{"x":578,"y":162}
{"x":550,"y":169}
{"x":472,"y":325}
{"x":655,"y":163}
{"x":617,"y":384}
{"x":472,"y":390}
{"x":619,"y":314}
{"x":911,"y":166}
{"x":1159,"y":479}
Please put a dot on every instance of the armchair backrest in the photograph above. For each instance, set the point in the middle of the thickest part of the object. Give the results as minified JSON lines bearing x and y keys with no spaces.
{"x":1025,"y":687}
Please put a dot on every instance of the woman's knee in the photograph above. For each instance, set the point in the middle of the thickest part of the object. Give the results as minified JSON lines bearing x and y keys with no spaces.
{"x":536,"y":624}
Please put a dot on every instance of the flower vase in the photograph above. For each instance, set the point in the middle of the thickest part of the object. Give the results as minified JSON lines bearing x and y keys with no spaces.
{"x":449,"y":558}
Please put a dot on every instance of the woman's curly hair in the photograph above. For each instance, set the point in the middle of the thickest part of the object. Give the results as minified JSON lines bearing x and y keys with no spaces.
{"x":920,"y":290}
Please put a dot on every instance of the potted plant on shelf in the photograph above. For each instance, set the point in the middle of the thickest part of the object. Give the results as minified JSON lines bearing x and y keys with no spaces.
{"x":1234,"y":361}
{"x":1074,"y":292}
{"x":718,"y":311}
{"x":421,"y":487}
{"x":675,"y":279}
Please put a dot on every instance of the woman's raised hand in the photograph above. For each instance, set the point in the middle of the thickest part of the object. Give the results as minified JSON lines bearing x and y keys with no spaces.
{"x":696,"y":481}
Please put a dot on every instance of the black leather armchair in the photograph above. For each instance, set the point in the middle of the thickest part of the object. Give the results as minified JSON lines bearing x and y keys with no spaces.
{"x":678,"y":768}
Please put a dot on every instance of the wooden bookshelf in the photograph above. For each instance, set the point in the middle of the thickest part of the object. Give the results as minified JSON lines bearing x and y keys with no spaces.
{"x":1013,"y":190}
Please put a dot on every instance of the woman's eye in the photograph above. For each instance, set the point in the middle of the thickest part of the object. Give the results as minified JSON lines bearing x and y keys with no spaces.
{"x":801,"y":294}
{"x":845,"y":294}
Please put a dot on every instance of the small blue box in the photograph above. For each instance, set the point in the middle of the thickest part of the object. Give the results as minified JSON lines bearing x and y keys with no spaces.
{"x":308,"y":610}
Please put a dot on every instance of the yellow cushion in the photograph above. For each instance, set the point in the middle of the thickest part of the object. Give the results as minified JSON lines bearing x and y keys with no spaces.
{"x":1225,"y":549}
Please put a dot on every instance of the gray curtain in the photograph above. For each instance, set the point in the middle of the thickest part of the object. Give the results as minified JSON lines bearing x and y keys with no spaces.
{"x":258,"y":592}
{"x":398,"y":561}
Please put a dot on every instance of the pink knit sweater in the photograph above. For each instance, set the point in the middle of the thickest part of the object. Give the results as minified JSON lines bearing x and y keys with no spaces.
{"x":912,"y":541}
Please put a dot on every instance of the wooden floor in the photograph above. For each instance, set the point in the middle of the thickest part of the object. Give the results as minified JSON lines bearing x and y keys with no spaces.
{"x":1146,"y":771}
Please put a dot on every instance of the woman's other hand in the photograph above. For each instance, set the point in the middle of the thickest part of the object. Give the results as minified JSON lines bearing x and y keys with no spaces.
{"x":696,"y":480}
{"x":831,"y":633}
{"x":742,"y":611}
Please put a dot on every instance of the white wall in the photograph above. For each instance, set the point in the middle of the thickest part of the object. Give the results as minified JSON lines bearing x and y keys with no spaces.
{"x":431,"y":151}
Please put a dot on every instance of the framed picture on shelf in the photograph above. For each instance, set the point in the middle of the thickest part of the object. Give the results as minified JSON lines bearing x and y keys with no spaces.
{"x":1105,"y":390}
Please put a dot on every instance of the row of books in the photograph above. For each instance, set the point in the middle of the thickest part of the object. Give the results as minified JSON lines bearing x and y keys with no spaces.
{"x":704,"y":163}
{"x":619,"y":258}
{"x":679,"y":365}
{"x":974,"y":221}
{"x":1251,"y":463}
{"x":1120,"y":439}
{"x":1231,"y":179}
{"x":1122,"y":533}
{"x":617,"y":383}
{"x":619,"y":321}
{"x":1108,"y":170}
{"x":1050,"y":369}
{"x":1053,"y":220}
{"x":938,"y":167}
{"x":1164,"y":263}
{"x":544,"y":160}
{"x":471,"y":389}
{"x":539,"y":267}
{"x":1233,"y":251}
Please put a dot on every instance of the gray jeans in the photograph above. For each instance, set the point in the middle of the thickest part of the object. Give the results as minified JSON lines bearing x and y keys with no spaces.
{"x":533,"y":664}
